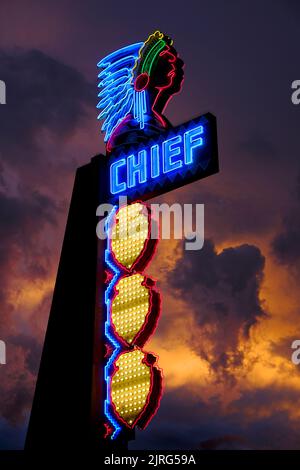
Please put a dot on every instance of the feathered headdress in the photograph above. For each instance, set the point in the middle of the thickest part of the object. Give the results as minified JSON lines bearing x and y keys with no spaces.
{"x":123,"y":81}
{"x":116,"y":87}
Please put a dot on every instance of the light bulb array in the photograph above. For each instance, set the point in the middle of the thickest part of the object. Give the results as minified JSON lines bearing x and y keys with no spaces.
{"x":130,"y":306}
{"x":131,"y":385}
{"x":129,"y":234}
{"x":133,"y":307}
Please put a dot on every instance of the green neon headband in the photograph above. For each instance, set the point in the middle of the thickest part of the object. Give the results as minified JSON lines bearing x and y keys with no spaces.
{"x":152,"y":54}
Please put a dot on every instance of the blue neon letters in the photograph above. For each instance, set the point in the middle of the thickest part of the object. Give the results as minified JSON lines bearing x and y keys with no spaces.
{"x":137,"y":169}
{"x":171,"y":148}
{"x":115,"y":185}
{"x":150,"y":163}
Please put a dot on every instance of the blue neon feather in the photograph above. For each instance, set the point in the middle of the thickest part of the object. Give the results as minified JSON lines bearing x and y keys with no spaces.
{"x":116,"y":87}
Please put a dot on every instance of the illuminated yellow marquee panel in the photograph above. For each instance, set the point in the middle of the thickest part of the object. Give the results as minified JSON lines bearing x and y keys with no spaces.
{"x":134,"y":380}
{"x":130,"y":306}
{"x":129,"y":234}
{"x":131,"y":385}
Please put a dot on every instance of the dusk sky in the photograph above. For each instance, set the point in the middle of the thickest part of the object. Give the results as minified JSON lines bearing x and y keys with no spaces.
{"x":231,"y":310}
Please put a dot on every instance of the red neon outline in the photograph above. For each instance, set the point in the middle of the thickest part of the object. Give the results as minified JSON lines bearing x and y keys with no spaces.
{"x":151,"y":317}
{"x":155,"y":394}
{"x":109,"y":147}
{"x":108,"y":350}
{"x":151,"y":406}
{"x":148,"y":250}
{"x":108,"y":430}
{"x":144,"y":74}
{"x":108,"y":276}
{"x":172,"y":74}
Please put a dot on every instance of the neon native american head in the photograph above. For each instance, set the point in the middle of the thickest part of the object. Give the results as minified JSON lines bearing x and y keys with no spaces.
{"x":136,"y":84}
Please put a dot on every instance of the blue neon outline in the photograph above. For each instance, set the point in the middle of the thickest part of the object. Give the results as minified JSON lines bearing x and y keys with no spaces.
{"x":155,"y":158}
{"x":134,"y":167}
{"x":124,"y":50}
{"x":109,"y":336}
{"x":115,"y":182}
{"x":144,"y":108}
{"x":116,"y":86}
{"x":170,"y":152}
{"x":191,"y":146}
{"x":140,"y":107}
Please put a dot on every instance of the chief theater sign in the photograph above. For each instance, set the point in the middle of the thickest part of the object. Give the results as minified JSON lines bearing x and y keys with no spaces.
{"x":103,"y":293}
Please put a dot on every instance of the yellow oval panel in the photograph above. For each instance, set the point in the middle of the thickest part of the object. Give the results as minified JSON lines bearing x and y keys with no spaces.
{"x":129,"y":233}
{"x":130,"y":306}
{"x":130,"y":386}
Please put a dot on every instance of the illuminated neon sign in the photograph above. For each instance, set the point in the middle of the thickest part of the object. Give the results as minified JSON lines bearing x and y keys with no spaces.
{"x":177,"y":157}
{"x":161,"y":158}
{"x":145,"y":156}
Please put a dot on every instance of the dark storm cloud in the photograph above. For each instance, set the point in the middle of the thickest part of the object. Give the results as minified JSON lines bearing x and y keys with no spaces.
{"x":286,"y":245}
{"x":22,"y":218}
{"x":22,"y":221}
{"x":13,"y":406}
{"x":32,"y":348}
{"x":257,"y":420}
{"x":223,"y":291}
{"x":258,"y":147}
{"x":232,"y":276}
{"x":45,"y":98}
{"x":42,"y":94}
{"x":30,"y":207}
{"x":18,"y":376}
{"x":226,"y":442}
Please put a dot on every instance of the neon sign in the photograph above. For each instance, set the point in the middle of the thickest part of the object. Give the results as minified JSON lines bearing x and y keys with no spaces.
{"x":145,"y":156}
{"x":181,"y":150}
{"x":177,"y":157}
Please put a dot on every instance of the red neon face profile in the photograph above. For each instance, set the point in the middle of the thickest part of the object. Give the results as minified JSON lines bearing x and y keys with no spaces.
{"x":167,"y":81}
